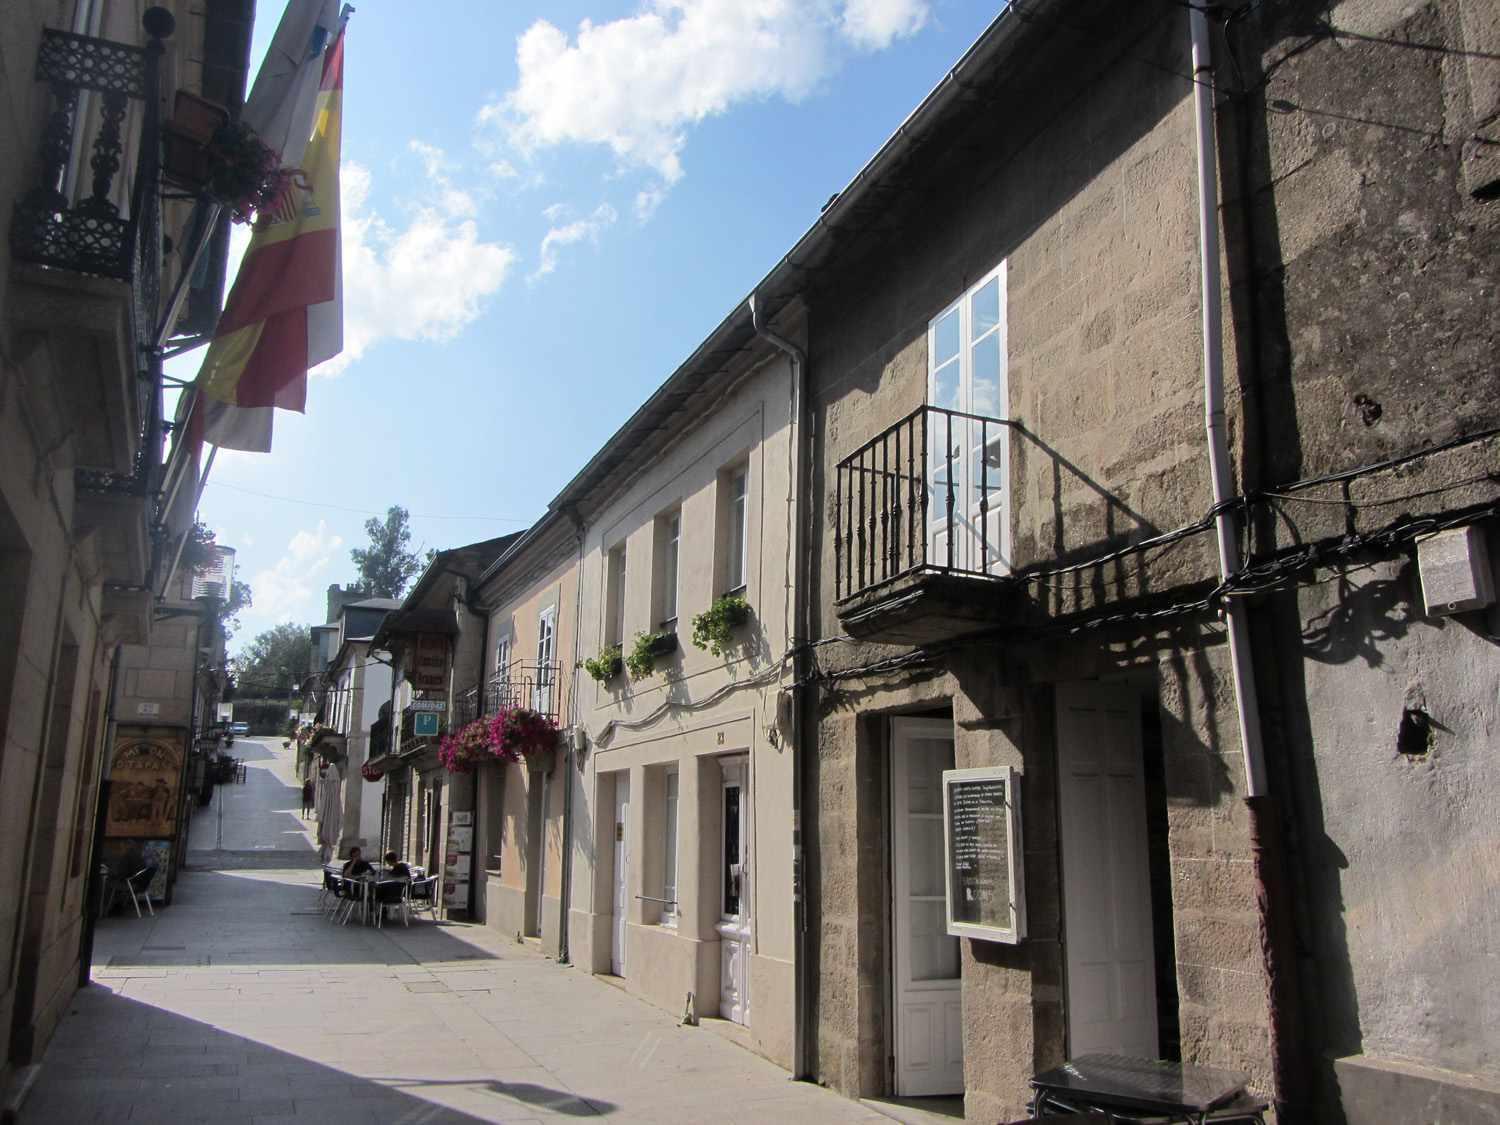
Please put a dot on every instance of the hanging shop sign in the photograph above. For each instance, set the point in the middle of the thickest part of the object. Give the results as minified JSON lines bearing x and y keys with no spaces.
{"x":431,"y":672}
{"x":982,"y":853}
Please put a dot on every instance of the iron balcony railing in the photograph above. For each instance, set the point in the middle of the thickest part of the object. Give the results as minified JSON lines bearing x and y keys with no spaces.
{"x":921,"y":496}
{"x":81,"y":216}
{"x":537,"y":686}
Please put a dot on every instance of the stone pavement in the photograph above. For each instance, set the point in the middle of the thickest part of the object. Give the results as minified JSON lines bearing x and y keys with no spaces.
{"x":240,"y":1003}
{"x":262,"y":815}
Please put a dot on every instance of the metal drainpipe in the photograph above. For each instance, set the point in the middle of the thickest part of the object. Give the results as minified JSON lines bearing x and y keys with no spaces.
{"x":566,"y":892}
{"x":802,"y":1065}
{"x":1270,"y":890}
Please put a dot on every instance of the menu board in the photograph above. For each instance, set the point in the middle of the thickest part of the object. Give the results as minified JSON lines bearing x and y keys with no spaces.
{"x":981,"y":835}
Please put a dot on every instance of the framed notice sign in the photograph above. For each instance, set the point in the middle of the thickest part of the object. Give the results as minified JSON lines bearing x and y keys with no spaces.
{"x":982,"y":854}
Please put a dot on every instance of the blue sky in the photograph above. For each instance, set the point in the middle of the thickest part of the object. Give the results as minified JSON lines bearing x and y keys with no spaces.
{"x":543,"y":217}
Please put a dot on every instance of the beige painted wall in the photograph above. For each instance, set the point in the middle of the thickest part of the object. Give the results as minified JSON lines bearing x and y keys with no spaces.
{"x":750,"y":426}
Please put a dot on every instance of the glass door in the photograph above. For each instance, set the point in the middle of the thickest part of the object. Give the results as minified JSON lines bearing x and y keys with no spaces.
{"x":968,"y":454}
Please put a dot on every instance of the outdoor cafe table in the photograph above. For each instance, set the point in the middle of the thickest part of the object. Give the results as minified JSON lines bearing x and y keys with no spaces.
{"x":1134,"y":1089}
{"x":368,"y":881}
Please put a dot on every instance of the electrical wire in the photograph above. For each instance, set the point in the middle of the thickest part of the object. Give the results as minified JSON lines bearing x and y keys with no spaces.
{"x":359,"y":511}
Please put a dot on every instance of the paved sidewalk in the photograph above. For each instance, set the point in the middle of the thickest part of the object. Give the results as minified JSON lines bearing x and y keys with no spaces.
{"x":262,"y":815}
{"x":240,"y":1003}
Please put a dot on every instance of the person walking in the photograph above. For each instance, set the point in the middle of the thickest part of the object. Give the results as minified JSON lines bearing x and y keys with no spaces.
{"x":307,"y":798}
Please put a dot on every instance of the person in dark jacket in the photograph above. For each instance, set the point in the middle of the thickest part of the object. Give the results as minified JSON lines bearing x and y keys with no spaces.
{"x":356,"y":865}
{"x":396,"y":867}
{"x":307,"y":798}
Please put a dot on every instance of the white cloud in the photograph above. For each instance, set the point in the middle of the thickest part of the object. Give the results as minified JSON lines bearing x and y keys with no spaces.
{"x":873,"y":25}
{"x":648,"y":200}
{"x":569,"y":234}
{"x":426,"y":280}
{"x":289,"y":591}
{"x":452,"y":200}
{"x":638,"y":84}
{"x":503,"y":170}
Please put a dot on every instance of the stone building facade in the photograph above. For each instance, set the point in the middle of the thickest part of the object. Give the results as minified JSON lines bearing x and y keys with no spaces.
{"x":88,"y":524}
{"x":1025,"y":258}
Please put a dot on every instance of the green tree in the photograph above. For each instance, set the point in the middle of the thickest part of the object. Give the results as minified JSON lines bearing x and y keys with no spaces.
{"x":229,"y":611}
{"x":388,"y":563}
{"x":275,"y":662}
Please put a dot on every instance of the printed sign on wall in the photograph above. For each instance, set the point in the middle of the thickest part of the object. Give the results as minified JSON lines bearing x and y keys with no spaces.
{"x":144,"y":773}
{"x":457,"y":856}
{"x":982,"y":842}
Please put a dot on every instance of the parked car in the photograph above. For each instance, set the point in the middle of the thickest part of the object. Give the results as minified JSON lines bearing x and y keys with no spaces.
{"x":239,"y":728}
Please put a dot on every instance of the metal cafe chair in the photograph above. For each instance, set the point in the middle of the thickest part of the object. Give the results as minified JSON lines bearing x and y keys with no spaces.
{"x":421,"y":896}
{"x":139,"y":886}
{"x":392,"y":893}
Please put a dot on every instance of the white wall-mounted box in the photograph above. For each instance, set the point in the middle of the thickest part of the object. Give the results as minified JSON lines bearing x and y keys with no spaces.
{"x":1455,"y":569}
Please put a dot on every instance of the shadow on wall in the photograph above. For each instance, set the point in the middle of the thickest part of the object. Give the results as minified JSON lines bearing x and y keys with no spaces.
{"x":126,"y":1058}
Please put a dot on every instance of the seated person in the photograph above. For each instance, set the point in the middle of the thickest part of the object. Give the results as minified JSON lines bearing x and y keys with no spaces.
{"x":396,"y":866}
{"x":356,"y":865}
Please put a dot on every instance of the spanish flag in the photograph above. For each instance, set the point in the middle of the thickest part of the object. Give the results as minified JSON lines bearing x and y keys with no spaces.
{"x":284,"y":314}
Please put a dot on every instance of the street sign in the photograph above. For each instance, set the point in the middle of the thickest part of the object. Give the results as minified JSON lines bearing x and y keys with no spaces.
{"x":429,"y":705}
{"x":424,"y":724}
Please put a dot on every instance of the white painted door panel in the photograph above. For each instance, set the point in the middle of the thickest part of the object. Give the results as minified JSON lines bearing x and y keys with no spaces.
{"x":1111,"y":984}
{"x":622,"y":874}
{"x":927,"y":988}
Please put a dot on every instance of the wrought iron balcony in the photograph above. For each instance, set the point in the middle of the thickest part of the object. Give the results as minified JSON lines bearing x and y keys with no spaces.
{"x":79,"y":219}
{"x":921,"y":509}
{"x":537,"y":686}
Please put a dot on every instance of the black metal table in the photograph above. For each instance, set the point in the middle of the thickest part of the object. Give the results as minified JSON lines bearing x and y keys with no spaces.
{"x":1131,"y":1089}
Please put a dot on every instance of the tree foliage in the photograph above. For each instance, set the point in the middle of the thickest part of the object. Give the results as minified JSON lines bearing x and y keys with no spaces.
{"x":388,"y":563}
{"x":275,"y":661}
{"x":229,"y":611}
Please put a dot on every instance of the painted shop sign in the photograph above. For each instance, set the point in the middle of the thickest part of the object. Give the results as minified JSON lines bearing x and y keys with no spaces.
{"x":981,"y":851}
{"x":144,"y":774}
{"x":431,"y":672}
{"x":457,"y":856}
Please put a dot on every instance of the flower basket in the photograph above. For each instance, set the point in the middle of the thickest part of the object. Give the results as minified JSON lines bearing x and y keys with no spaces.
{"x":713,"y":629}
{"x":606,"y":666}
{"x":461,"y":750}
{"x":647,"y":650}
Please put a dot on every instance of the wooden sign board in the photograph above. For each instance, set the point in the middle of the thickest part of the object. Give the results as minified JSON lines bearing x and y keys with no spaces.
{"x":982,"y":854}
{"x":431,"y":671}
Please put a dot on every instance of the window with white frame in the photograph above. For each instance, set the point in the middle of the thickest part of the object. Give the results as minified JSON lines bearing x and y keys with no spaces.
{"x":668,"y":540}
{"x":546,"y":647}
{"x":502,"y":654}
{"x":669,"y":909}
{"x":969,"y":450}
{"x":614,"y":595}
{"x":734,"y":538}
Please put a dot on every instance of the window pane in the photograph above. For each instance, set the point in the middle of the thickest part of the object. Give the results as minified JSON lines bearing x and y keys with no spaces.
{"x":986,"y":375}
{"x":732,"y":850}
{"x":945,"y":389}
{"x":669,"y":570}
{"x":984,"y":312}
{"x":669,"y":875}
{"x":738,"y":511}
{"x":945,"y":338}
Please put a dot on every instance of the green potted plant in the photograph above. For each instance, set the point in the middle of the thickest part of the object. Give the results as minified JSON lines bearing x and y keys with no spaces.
{"x":648,"y":648}
{"x":713,"y":629}
{"x":607,"y":665}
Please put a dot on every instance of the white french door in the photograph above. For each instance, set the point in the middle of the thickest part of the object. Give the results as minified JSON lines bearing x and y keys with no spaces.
{"x":622,"y":874}
{"x":734,"y":904}
{"x":546,"y":646}
{"x":1107,"y":931}
{"x":966,"y":372}
{"x":926,"y":983}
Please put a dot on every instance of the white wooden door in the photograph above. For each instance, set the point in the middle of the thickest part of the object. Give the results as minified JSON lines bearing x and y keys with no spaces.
{"x":622,"y":873}
{"x":734,"y":880}
{"x":927,"y":989}
{"x":1107,"y":933}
